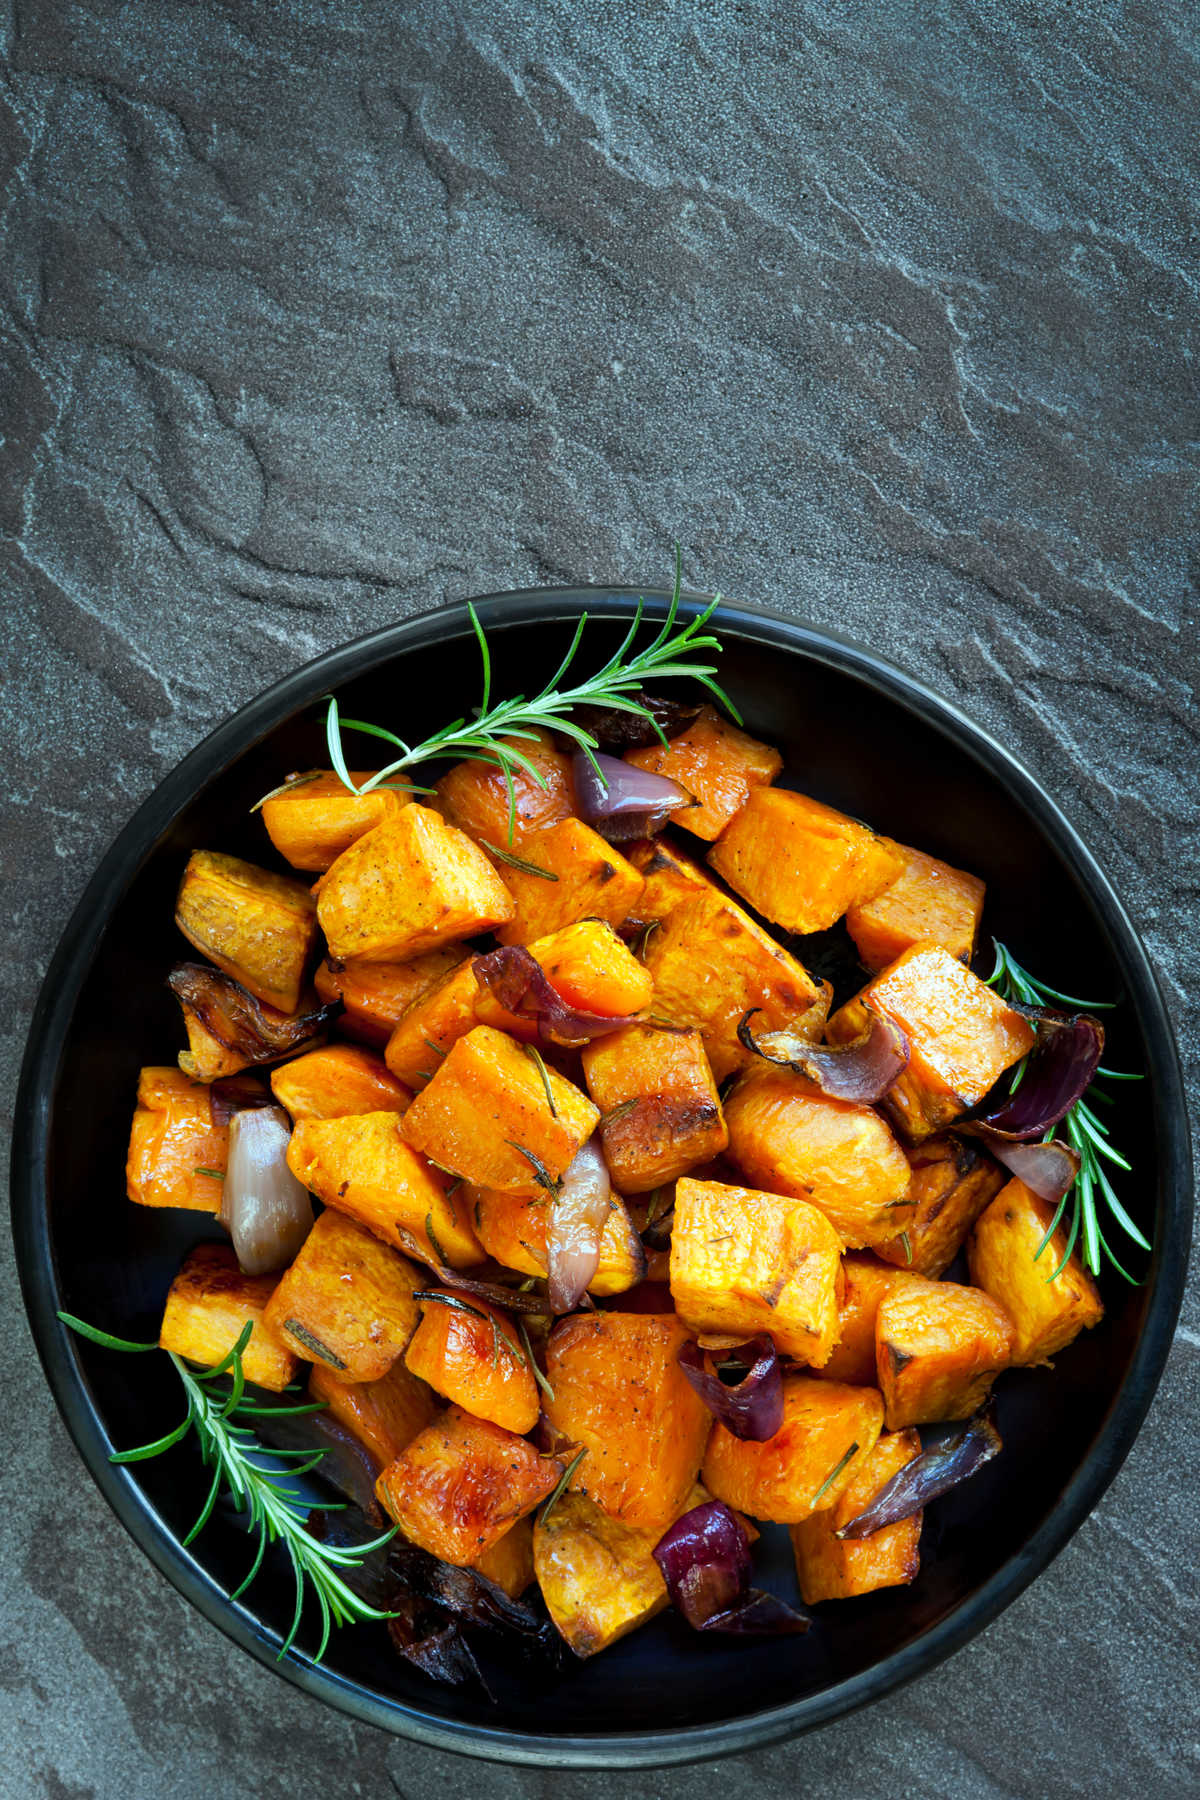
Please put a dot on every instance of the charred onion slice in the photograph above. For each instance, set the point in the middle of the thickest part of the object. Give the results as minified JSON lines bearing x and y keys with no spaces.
{"x":578,"y":1213}
{"x":238,"y":1021}
{"x":494,"y":1292}
{"x":346,"y":1463}
{"x":705,"y":1562}
{"x":956,"y":1452}
{"x":616,"y":730}
{"x":1057,"y":1072}
{"x":518,"y":982}
{"x":1048,"y":1169}
{"x":862,"y":1070}
{"x":267,"y":1212}
{"x":621,"y":802}
{"x":751,"y":1407}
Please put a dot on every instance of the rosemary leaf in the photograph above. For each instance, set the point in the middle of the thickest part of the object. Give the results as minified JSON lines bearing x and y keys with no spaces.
{"x":541,"y":1173}
{"x":312,"y":1342}
{"x":834,"y":1473}
{"x":557,"y":1495}
{"x":535,"y":1056}
{"x":517,"y":862}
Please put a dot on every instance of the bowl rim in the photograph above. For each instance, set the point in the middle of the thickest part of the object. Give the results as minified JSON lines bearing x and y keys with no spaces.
{"x":59,"y":1352}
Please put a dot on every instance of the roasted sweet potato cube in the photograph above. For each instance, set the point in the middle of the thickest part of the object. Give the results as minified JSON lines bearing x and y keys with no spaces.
{"x":475,"y":796}
{"x":938,"y":1349}
{"x":335,"y":1080}
{"x":462,"y":1483}
{"x":512,"y":1229}
{"x":385,"y":1415}
{"x":659,"y":1109}
{"x":471,"y":1353}
{"x":670,"y":875}
{"x":788,"y":1138}
{"x":209,"y":1305}
{"x":362,"y":1166}
{"x":799,"y":863}
{"x":314,"y":817}
{"x":711,"y":964}
{"x":620,"y":1394}
{"x":1047,"y":1314}
{"x":952,"y":1181}
{"x":412,"y":884}
{"x":177,"y":1147}
{"x":375,"y":996}
{"x":434,"y":1021}
{"x":589,"y":966}
{"x":570,"y":873}
{"x":597,"y":1574}
{"x":744,"y":1262}
{"x":962,"y":1036}
{"x":347,"y":1300}
{"x":717,"y":764}
{"x":866,"y":1283}
{"x":828,"y":1432}
{"x":486,"y":1116}
{"x":930,"y":902}
{"x":829,"y":1568}
{"x":509,"y":1562}
{"x":257,"y":927}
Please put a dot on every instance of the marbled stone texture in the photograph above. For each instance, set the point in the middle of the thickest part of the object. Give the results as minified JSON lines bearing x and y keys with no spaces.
{"x":315,"y":315}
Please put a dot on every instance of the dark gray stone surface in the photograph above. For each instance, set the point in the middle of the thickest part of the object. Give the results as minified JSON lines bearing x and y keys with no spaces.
{"x":313,"y":316}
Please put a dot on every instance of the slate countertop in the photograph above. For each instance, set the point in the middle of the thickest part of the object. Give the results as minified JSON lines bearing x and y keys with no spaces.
{"x":313,"y":316}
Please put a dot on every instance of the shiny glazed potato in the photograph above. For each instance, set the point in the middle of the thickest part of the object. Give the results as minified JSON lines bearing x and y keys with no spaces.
{"x":952,"y":1181}
{"x":209,"y":1304}
{"x":800,"y":863}
{"x":470,"y":1353}
{"x":316,"y":817}
{"x":580,"y":876}
{"x":597,"y":1574}
{"x":257,"y":927}
{"x":829,"y":1568}
{"x":717,"y":764}
{"x":1047,"y":1315}
{"x":827,"y":1434}
{"x":930,"y":902}
{"x":512,"y":1228}
{"x":938,"y":1349}
{"x":174,"y":1142}
{"x":376,"y":995}
{"x":347,"y":1300}
{"x":385,"y":1415}
{"x":659,"y":1109}
{"x":866,"y":1283}
{"x":475,"y":796}
{"x":336,"y":1080}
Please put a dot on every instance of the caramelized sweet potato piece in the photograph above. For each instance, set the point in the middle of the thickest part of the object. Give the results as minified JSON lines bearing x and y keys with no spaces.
{"x":362,"y":1166}
{"x":471,"y":1353}
{"x":831,"y":1569}
{"x":434,"y":1021}
{"x":620,"y":1394}
{"x":336,"y":1080}
{"x":487,"y":1098}
{"x":462,"y":1483}
{"x":385,"y":1414}
{"x":347,"y":1300}
{"x":952,"y":1181}
{"x":743,"y":1262}
{"x":962,"y":1036}
{"x":257,"y":927}
{"x":717,"y":764}
{"x":209,"y":1304}
{"x":376,"y":995}
{"x":475,"y":796}
{"x":597,"y":1574}
{"x":659,"y":1109}
{"x":177,"y":1149}
{"x":866,"y":1283}
{"x":930,"y":902}
{"x":1047,"y":1314}
{"x":315,"y":816}
{"x":589,"y":967}
{"x":512,"y":1229}
{"x":509,"y":1562}
{"x":412,"y":884}
{"x":671,"y":877}
{"x":788,"y":1138}
{"x":938,"y":1349}
{"x":799,"y":863}
{"x":828,"y":1432}
{"x":579,"y":877}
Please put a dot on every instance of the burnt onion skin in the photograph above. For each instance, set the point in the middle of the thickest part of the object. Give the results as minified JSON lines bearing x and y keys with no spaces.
{"x":616,"y":730}
{"x":862,"y":1070}
{"x":241,"y":1023}
{"x":751,"y":1408}
{"x":515,"y":978}
{"x":1057,"y":1072}
{"x":1047,"y":1169}
{"x":705,"y":1561}
{"x":955,"y":1454}
{"x":622,"y":802}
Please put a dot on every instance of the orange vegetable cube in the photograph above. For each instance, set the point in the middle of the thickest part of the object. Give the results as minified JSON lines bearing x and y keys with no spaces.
{"x":744,"y":1262}
{"x":412,"y":884}
{"x":799,"y":863}
{"x":471,"y":1353}
{"x":828,"y":1432}
{"x":952,"y":1181}
{"x":1047,"y":1314}
{"x":208,"y":1307}
{"x":670,"y":876}
{"x":930,"y":902}
{"x":938,"y":1349}
{"x":597,"y":1574}
{"x":866,"y":1283}
{"x":962,"y":1036}
{"x":512,"y":1228}
{"x":462,"y":1483}
{"x":315,"y":816}
{"x":509,"y":1562}
{"x":437,"y":1019}
{"x":257,"y":927}
{"x":485,"y":1114}
{"x":570,"y":873}
{"x":788,"y":1138}
{"x":347,"y":1300}
{"x":177,"y":1148}
{"x":376,"y":995}
{"x":335,"y":1080}
{"x":475,"y":796}
{"x":659,"y":1109}
{"x":717,"y":764}
{"x":829,"y":1568}
{"x":385,"y":1414}
{"x":620,"y":1394}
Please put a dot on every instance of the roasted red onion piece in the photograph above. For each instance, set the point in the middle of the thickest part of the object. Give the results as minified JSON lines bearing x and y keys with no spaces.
{"x":426,"y":1637}
{"x":705,"y":1562}
{"x":954,"y":1454}
{"x":346,"y":1463}
{"x":238,"y":1021}
{"x":1057,"y":1072}
{"x":753,"y":1407}
{"x":622,"y":802}
{"x":616,"y":730}
{"x":235,"y":1093}
{"x":578,"y":1213}
{"x":862,"y":1070}
{"x":521,"y":985}
{"x":1048,"y":1169}
{"x":494,"y":1292}
{"x":267,"y":1212}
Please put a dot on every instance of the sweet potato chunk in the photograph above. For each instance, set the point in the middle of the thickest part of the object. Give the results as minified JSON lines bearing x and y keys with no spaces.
{"x":579,"y":876}
{"x":620,"y":1394}
{"x":385,"y":1415}
{"x":597,"y":1574}
{"x":930,"y":902}
{"x":347,"y":1300}
{"x":475,"y":796}
{"x":659,"y":1109}
{"x":1046,"y":1314}
{"x":831,"y":1569}
{"x":711,"y":964}
{"x":257,"y":927}
{"x":952,"y":1181}
{"x":412,"y":884}
{"x":316,"y":817}
{"x":487,"y":1098}
{"x":961,"y":1036}
{"x":744,"y":1262}
{"x":209,"y":1305}
{"x":336,"y":1080}
{"x":788,"y":1138}
{"x":589,"y":966}
{"x":670,"y":876}
{"x":375,"y":996}
{"x":828,"y":1432}
{"x":462,"y":1483}
{"x":866,"y":1283}
{"x":472,"y":1354}
{"x":719,"y":766}
{"x":434,"y":1021}
{"x":512,"y":1229}
{"x":177,"y":1148}
{"x":799,"y":863}
{"x":938,"y":1349}
{"x":509,"y":1562}
{"x":361,"y":1165}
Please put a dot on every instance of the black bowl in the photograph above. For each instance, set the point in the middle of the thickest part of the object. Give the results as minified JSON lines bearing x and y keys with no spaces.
{"x":855,"y":732}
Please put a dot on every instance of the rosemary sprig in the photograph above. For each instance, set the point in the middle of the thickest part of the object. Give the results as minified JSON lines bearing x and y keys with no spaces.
{"x":1084,"y":1130}
{"x":273,"y":1507}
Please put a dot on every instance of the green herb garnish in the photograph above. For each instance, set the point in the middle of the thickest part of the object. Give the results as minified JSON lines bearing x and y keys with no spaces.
{"x":557,"y":1495}
{"x":834,"y":1473}
{"x":517,"y":862}
{"x":535,"y":1056}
